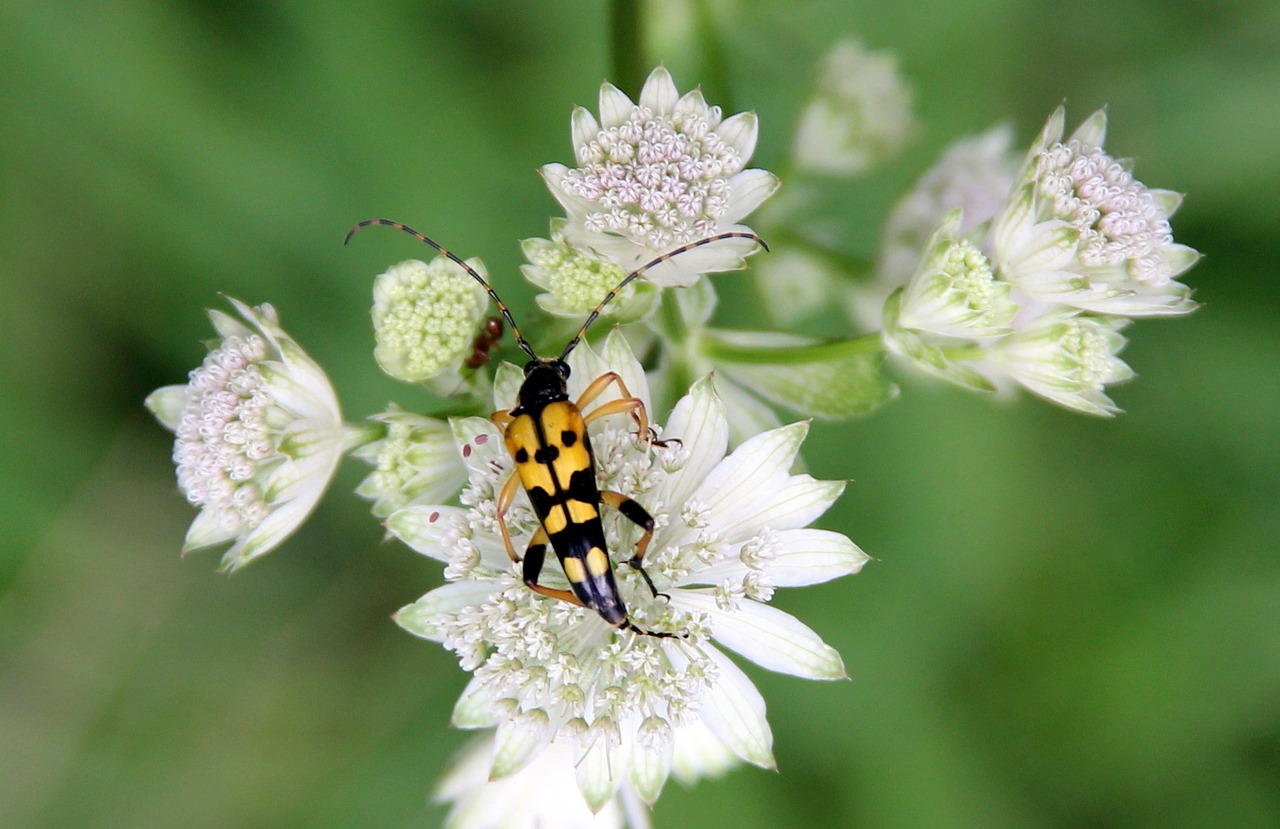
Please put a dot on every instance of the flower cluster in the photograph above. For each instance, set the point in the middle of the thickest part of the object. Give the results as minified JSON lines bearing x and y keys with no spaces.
{"x":1077,"y":250}
{"x":994,"y":274}
{"x":258,"y":432}
{"x":630,"y":709}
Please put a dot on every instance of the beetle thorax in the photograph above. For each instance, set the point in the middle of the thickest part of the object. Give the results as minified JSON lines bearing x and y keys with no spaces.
{"x":545,"y":381}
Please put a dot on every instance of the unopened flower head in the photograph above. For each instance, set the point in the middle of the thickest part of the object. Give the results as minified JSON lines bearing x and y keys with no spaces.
{"x":258,"y":432}
{"x":1082,"y":231}
{"x":955,"y":293}
{"x":1068,"y":358}
{"x":729,"y":530}
{"x":576,"y":282}
{"x":416,"y":461}
{"x":659,"y":174}
{"x":425,"y":317}
{"x":860,"y":113}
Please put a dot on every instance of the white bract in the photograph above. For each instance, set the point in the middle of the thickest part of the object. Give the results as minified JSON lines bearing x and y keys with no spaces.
{"x":630,"y":709}
{"x":658,"y":174}
{"x":1080,"y":230}
{"x":259,"y":435}
{"x":1068,"y":358}
{"x":859,"y":115}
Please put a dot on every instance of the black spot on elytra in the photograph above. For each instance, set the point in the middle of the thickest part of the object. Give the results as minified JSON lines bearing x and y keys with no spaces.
{"x":522,"y":455}
{"x":568,"y":437}
{"x":546,"y":454}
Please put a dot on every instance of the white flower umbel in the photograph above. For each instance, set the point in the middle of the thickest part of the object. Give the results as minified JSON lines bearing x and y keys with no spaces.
{"x":415,"y":461}
{"x":658,"y":174}
{"x":259,"y":435}
{"x":629,"y":708}
{"x":1080,"y":230}
{"x":860,"y":113}
{"x":575,"y":283}
{"x":425,"y":318}
{"x":1067,"y":357}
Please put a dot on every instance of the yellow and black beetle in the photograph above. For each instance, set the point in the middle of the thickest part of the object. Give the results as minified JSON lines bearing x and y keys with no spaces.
{"x":546,"y":434}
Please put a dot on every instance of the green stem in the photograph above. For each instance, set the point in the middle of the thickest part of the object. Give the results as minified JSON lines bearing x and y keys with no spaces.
{"x":718,"y":349}
{"x":626,"y":41}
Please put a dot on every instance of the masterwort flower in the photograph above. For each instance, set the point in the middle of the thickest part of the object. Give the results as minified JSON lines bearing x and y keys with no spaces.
{"x":259,"y":435}
{"x":1080,"y":230}
{"x":659,"y":174}
{"x":575,"y":283}
{"x":425,"y":318}
{"x":630,"y":709}
{"x":415,"y":461}
{"x":860,"y":113}
{"x":1068,"y":358}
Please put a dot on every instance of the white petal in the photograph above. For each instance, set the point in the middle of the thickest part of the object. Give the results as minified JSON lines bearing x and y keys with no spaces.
{"x":615,"y":106}
{"x":584,"y":128}
{"x":698,"y":422}
{"x":767,"y":636}
{"x":206,"y":530}
{"x":804,"y":557}
{"x":748,"y":190}
{"x":553,"y":175}
{"x":517,"y":741}
{"x":506,"y":384}
{"x":748,"y":415}
{"x":474,"y":709}
{"x":692,"y":103}
{"x":421,"y":617}
{"x":596,"y":773}
{"x":167,"y":403}
{"x":740,"y":132}
{"x":735,"y":712}
{"x":659,"y":93}
{"x":700,"y":753}
{"x":1093,"y":131}
{"x":425,"y":527}
{"x":279,"y":524}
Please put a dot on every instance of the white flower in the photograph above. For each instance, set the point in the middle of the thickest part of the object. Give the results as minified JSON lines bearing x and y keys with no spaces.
{"x":425,"y":319}
{"x":859,"y":115}
{"x":659,"y":174}
{"x":575,"y":283}
{"x":539,"y":796}
{"x":1068,"y":358}
{"x":954,"y":292}
{"x":630,"y":708}
{"x":1079,"y":230}
{"x":259,"y":435}
{"x":415,"y":461}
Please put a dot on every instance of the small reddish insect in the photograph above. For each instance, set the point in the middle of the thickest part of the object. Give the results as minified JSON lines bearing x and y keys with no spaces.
{"x":485,"y":341}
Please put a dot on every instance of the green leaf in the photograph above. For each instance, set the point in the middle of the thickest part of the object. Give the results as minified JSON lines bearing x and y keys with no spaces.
{"x":827,"y":379}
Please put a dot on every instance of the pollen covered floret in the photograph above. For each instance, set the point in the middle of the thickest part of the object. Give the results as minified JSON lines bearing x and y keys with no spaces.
{"x":632,"y":709}
{"x":258,"y":435}
{"x":659,"y":174}
{"x":425,"y":317}
{"x":575,"y":282}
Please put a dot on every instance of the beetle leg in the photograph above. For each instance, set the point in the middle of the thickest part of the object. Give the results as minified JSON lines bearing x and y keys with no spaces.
{"x":638,"y":515}
{"x":501,"y":419}
{"x":627,"y":403}
{"x":505,"y":496}
{"x":534,"y":556}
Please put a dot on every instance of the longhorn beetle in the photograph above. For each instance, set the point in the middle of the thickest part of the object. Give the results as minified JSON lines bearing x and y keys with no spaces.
{"x":546,"y":434}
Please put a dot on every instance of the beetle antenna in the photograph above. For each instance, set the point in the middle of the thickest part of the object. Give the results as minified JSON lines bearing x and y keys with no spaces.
{"x":502,"y":308}
{"x":640,"y":270}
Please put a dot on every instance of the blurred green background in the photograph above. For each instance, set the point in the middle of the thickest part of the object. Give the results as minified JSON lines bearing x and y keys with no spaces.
{"x":1072,"y":622}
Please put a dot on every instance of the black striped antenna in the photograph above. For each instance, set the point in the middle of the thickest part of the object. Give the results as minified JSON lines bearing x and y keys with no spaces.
{"x":737,"y":234}
{"x":502,"y":308}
